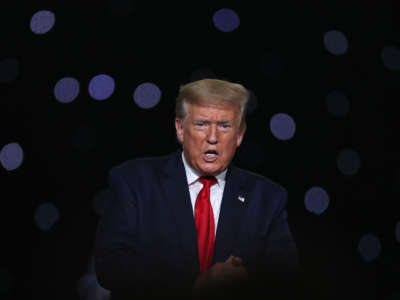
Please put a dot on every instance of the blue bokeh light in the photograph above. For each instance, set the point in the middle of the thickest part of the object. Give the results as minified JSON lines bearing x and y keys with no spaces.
{"x":282,"y":126}
{"x":336,"y":42}
{"x":46,"y":215}
{"x":348,"y":162}
{"x":147,"y":95}
{"x":11,"y":156}
{"x":391,"y":58}
{"x":101,"y":87}
{"x":226,"y":20}
{"x":316,"y":200}
{"x":369,"y":247}
{"x":337,"y":104}
{"x":42,"y":21}
{"x":66,"y":89}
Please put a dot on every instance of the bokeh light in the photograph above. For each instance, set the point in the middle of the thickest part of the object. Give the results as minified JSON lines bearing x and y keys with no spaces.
{"x":84,"y":139}
{"x":337,"y":104}
{"x":282,"y":126}
{"x":42,"y":21}
{"x":397,"y":231}
{"x":316,"y":200}
{"x":252,"y":103}
{"x":11,"y":156}
{"x":336,"y":42}
{"x":226,"y":20}
{"x":66,"y":89}
{"x":9,"y":69}
{"x":46,"y":215}
{"x":369,"y":247}
{"x":147,"y":95}
{"x":101,"y":87}
{"x":391,"y":58}
{"x":348,"y":162}
{"x":270,"y":65}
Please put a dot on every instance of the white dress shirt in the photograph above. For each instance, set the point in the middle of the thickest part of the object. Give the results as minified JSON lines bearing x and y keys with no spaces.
{"x":216,"y":190}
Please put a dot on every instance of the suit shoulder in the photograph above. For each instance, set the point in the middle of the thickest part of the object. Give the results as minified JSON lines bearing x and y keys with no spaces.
{"x":252,"y":178}
{"x":139,"y":165}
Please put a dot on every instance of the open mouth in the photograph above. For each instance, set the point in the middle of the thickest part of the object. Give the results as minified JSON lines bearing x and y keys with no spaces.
{"x":210,"y":155}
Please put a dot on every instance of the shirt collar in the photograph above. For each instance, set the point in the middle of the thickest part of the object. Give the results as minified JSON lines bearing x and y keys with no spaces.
{"x":192,"y":175}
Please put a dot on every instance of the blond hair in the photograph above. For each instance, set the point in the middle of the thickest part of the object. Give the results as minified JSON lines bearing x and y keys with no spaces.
{"x":212,"y":91}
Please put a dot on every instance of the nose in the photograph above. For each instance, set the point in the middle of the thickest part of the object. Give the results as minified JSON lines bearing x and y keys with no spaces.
{"x":212,"y":135}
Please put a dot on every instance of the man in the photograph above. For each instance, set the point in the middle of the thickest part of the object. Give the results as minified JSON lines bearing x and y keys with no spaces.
{"x":190,"y":224}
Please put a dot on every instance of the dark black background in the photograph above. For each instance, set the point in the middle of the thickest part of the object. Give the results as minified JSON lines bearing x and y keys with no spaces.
{"x":164,"y":43}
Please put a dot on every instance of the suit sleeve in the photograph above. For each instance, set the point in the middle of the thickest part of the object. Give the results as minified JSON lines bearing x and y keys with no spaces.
{"x":121,"y":264}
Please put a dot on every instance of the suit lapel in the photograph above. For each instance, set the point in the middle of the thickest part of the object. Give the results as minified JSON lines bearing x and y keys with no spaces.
{"x":231,"y":215}
{"x":174,"y":184}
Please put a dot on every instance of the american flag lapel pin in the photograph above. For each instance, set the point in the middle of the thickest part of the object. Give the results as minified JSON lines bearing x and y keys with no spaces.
{"x":241,"y":198}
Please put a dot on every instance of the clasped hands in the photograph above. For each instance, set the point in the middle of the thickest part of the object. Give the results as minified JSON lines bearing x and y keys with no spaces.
{"x":221,"y":274}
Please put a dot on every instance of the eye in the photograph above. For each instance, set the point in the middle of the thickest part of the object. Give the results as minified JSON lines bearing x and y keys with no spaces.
{"x":225,"y":125}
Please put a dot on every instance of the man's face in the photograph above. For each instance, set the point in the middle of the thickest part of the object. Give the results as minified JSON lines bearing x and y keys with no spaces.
{"x":210,"y":135}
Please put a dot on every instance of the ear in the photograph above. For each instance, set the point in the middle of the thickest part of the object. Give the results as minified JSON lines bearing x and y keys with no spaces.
{"x":179,"y":129}
{"x":240,"y":136}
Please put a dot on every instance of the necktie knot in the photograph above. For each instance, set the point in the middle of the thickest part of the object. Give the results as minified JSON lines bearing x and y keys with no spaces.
{"x":208,"y":181}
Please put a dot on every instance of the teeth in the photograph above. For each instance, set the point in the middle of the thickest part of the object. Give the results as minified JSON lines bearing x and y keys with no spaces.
{"x":211,"y":154}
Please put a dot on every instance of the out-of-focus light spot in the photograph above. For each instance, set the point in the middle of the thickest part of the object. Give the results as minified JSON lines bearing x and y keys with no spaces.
{"x":46,"y":215}
{"x":6,"y":281}
{"x":100,"y":200}
{"x":226,"y":20}
{"x":270,"y":65}
{"x":11,"y":156}
{"x":316,"y":200}
{"x":369,"y":247}
{"x":42,"y":22}
{"x":121,"y":7}
{"x":84,"y":139}
{"x":397,"y":231}
{"x":101,"y":87}
{"x":391,"y":58}
{"x":336,"y":42}
{"x":348,"y":162}
{"x":147,"y":95}
{"x":202,"y":73}
{"x":337,"y":104}
{"x":9,"y":69}
{"x":66,"y":89}
{"x":282,"y":126}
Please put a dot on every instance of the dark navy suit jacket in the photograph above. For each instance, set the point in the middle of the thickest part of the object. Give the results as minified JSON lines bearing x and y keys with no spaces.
{"x":146,"y":240}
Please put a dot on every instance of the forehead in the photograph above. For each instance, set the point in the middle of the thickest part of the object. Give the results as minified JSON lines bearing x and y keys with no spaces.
{"x":212,"y":111}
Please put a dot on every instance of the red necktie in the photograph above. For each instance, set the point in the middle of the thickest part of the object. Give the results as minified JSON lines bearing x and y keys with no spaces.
{"x":204,"y":219}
